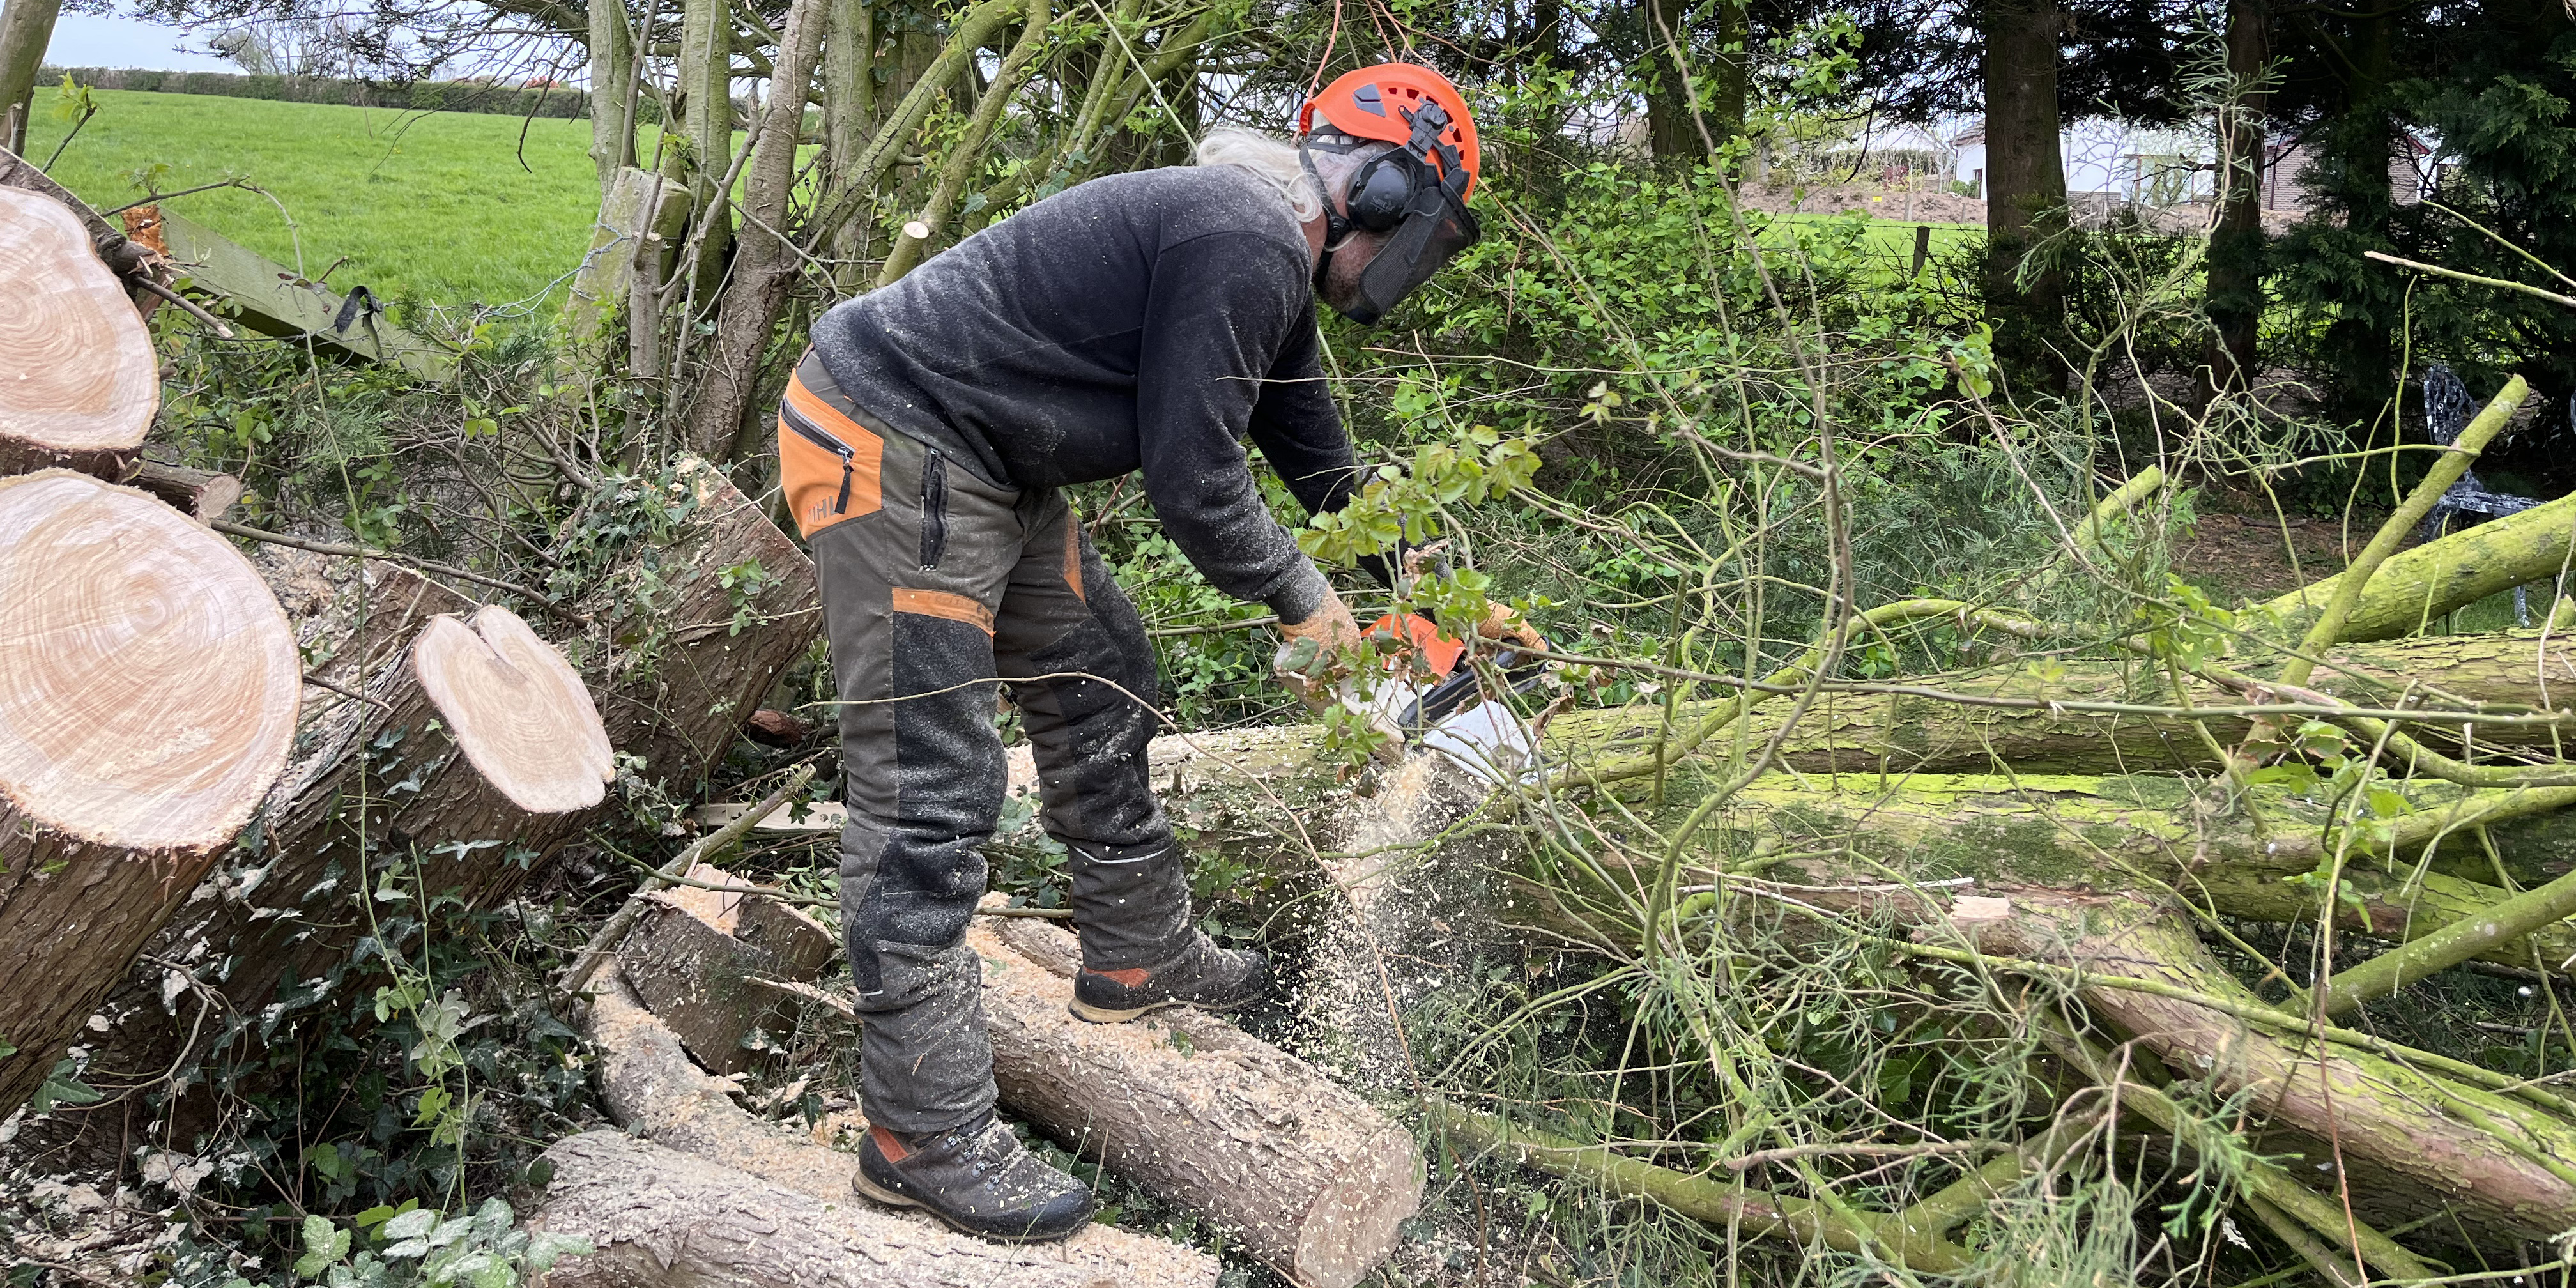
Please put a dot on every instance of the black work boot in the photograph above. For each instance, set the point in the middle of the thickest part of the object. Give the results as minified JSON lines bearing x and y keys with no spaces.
{"x":978,"y":1179}
{"x":1201,"y":975}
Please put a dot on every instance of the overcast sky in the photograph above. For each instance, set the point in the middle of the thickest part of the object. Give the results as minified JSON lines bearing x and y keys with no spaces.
{"x":92,"y":40}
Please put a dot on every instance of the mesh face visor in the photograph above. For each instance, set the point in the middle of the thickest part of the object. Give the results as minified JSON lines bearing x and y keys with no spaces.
{"x":1437,"y":225}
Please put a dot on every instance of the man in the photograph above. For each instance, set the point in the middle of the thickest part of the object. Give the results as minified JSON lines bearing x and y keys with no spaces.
{"x":1142,"y":321}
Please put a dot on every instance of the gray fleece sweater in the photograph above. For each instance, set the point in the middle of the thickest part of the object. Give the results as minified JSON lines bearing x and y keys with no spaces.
{"x":1148,"y":321}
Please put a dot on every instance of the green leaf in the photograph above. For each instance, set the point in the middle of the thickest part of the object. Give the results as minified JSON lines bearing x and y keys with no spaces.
{"x":62,"y":1086}
{"x":410,"y":1225}
{"x":324,"y":1245}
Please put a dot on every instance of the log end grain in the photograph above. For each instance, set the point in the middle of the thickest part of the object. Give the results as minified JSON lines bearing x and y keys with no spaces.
{"x":149,"y":683}
{"x":78,"y":378}
{"x":521,"y":713}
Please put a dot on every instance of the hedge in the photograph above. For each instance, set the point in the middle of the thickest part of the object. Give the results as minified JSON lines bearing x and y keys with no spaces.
{"x":560,"y":102}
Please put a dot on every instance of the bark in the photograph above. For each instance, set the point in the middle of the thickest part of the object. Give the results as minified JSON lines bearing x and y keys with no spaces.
{"x":612,"y":60}
{"x":656,"y":1216}
{"x":80,"y":382}
{"x":2236,"y":244}
{"x":695,"y":957}
{"x":703,"y":101}
{"x":1672,"y":127}
{"x":1729,"y":73}
{"x":202,"y":495}
{"x":855,"y":185}
{"x":683,"y":658}
{"x":765,"y":264}
{"x":1304,"y":1174}
{"x":2025,"y":175}
{"x":26,"y":27}
{"x":2417,"y":587}
{"x":966,"y":157}
{"x":652,"y":1090}
{"x":116,"y":794}
{"x":848,"y":72}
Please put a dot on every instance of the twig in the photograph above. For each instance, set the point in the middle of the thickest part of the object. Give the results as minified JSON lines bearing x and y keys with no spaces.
{"x":596,"y":953}
{"x":186,"y":305}
{"x":320,"y":683}
{"x":2439,"y":271}
{"x":387,"y":556}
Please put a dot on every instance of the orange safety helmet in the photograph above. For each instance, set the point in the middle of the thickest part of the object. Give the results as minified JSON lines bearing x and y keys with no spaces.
{"x":1377,"y":102}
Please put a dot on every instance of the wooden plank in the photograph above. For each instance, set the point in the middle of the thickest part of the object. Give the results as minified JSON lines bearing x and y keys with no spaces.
{"x":274,"y":300}
{"x":819,"y":817}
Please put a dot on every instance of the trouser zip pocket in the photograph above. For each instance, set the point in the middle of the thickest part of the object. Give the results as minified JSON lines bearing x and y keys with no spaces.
{"x":849,"y":458}
{"x":934,"y":509}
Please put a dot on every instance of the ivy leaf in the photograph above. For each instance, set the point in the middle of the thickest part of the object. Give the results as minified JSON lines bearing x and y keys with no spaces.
{"x":62,"y":1086}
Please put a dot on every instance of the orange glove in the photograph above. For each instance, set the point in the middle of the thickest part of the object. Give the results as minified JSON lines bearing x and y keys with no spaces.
{"x":1315,"y":652}
{"x":1503,"y":623}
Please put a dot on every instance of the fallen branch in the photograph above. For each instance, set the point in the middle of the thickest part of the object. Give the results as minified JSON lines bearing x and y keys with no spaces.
{"x":1727,"y":1207}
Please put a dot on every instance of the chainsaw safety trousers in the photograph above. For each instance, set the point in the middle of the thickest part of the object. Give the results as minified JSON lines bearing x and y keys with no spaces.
{"x":940,"y":588}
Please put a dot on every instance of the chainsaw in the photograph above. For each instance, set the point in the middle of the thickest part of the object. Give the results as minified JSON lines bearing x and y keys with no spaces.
{"x":1426,"y":699}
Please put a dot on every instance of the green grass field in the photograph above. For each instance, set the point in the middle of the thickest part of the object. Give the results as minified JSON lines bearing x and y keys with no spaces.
{"x":424,"y":207}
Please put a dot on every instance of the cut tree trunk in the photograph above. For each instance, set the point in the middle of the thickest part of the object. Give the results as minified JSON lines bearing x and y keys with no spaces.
{"x":426,"y":783}
{"x":374,"y":772}
{"x":696,"y":958}
{"x":148,"y":696}
{"x":652,"y":1089}
{"x":202,"y":495}
{"x":521,"y":715}
{"x":79,"y":382}
{"x":655,"y":1216}
{"x":698,"y":627}
{"x":1306,"y":1175}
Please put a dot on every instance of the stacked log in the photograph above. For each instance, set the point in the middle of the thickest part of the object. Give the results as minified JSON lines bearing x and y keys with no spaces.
{"x":79,"y":382}
{"x":148,"y":695}
{"x":720,"y":1196}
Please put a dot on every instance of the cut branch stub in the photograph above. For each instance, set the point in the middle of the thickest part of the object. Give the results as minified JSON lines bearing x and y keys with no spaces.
{"x":148,"y":679}
{"x":78,"y":379}
{"x":148,"y":694}
{"x":518,"y":709}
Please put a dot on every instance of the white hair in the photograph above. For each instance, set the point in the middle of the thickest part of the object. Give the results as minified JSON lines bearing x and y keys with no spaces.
{"x":1276,"y":162}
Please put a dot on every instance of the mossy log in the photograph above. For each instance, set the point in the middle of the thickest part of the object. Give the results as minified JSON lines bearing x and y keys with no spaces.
{"x":2415,"y":587}
{"x":2413,"y":1143}
{"x":1867,"y":732}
